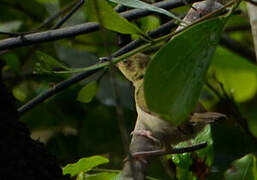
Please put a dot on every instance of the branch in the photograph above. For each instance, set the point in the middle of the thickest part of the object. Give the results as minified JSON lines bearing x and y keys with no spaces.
{"x":163,"y":29}
{"x":238,"y":48}
{"x":244,"y":27}
{"x":53,"y":35}
{"x":73,"y":10}
{"x":160,"y":31}
{"x":252,"y":11}
{"x":54,"y":90}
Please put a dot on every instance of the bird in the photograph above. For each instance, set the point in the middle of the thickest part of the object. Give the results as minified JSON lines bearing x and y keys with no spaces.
{"x":155,"y":128}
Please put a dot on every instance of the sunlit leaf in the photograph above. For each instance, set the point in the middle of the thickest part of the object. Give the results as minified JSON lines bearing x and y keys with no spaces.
{"x":237,"y":74}
{"x":243,"y":169}
{"x":117,"y":177}
{"x":20,"y":92}
{"x":103,"y":13}
{"x":87,"y":93}
{"x":176,"y":74}
{"x":207,"y":152}
{"x":142,"y":5}
{"x":84,"y":165}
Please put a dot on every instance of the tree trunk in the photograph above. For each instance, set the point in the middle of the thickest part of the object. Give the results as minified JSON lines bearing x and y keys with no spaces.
{"x":21,"y":156}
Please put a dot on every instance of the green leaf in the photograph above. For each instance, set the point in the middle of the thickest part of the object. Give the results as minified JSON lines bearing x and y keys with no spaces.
{"x":243,"y":169}
{"x":117,"y":177}
{"x":185,"y":174}
{"x":142,"y":5}
{"x":206,"y":153}
{"x":103,"y":13}
{"x":12,"y":61}
{"x":100,"y":176}
{"x":237,"y":74}
{"x":87,"y":93}
{"x":21,"y":92}
{"x":84,"y":165}
{"x":184,"y":161}
{"x":48,"y":63}
{"x":176,"y":74}
{"x":149,"y":23}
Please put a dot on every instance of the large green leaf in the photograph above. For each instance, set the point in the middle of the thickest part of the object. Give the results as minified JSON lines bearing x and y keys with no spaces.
{"x":84,"y":165}
{"x":142,"y":5}
{"x":243,"y":169}
{"x":175,"y":75}
{"x":103,"y":13}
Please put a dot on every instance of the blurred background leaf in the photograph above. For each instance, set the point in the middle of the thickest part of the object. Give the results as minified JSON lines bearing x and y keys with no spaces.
{"x":244,"y":168}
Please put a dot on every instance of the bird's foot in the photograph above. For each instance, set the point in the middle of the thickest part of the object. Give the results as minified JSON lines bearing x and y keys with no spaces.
{"x":146,"y":134}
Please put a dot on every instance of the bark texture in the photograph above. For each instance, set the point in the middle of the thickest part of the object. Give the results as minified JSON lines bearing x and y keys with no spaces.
{"x":252,"y":11}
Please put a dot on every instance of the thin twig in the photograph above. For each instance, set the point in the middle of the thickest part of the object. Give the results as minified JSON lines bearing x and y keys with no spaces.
{"x":47,"y":22}
{"x":63,"y":20}
{"x":82,"y":75}
{"x":129,"y":49}
{"x":75,"y":30}
{"x":55,"y":16}
{"x":162,"y":30}
{"x":244,"y":27}
{"x":231,"y":104}
{"x":54,"y":90}
{"x":163,"y":152}
{"x":238,"y":48}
